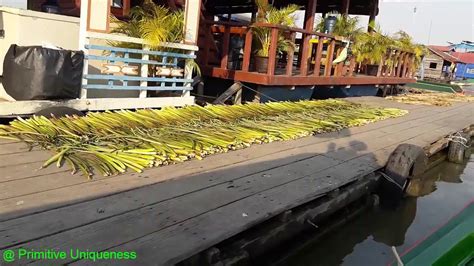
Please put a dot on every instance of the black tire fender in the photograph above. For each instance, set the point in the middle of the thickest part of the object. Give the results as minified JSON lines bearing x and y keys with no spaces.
{"x":407,"y":161}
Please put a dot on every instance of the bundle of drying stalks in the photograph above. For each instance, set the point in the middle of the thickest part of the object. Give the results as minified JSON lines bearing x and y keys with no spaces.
{"x":432,"y":98}
{"x":112,"y":142}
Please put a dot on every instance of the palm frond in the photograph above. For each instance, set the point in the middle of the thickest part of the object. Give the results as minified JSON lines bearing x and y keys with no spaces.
{"x":112,"y":142}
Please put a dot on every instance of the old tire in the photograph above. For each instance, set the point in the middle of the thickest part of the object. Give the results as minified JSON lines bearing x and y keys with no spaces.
{"x":457,"y":150}
{"x":59,"y":111}
{"x":406,"y":161}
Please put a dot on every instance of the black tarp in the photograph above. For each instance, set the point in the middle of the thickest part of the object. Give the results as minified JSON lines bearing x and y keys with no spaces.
{"x":38,"y":73}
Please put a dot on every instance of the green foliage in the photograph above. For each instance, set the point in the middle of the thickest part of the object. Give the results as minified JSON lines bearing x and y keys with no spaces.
{"x":345,"y":26}
{"x":112,"y":142}
{"x":284,"y":17}
{"x":371,"y":47}
{"x":404,"y":41}
{"x":151,"y":22}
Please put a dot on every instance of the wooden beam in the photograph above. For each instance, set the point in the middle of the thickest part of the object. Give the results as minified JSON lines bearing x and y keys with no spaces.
{"x":283,"y":80}
{"x":373,"y":12}
{"x":290,"y":56}
{"x":329,"y":58}
{"x":309,"y":15}
{"x":247,"y":50}
{"x":272,"y":53}
{"x":225,"y":48}
{"x":237,"y":86}
{"x":319,"y":54}
{"x":345,"y":7}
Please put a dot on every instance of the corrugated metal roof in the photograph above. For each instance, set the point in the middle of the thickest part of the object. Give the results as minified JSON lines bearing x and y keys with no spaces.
{"x":467,"y":58}
{"x":443,"y":55}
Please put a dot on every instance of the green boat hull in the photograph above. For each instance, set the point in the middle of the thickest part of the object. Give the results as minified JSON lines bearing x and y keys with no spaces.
{"x":452,"y":244}
{"x":433,"y":86}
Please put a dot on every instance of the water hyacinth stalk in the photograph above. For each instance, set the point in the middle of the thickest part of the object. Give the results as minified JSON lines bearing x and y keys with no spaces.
{"x":112,"y":142}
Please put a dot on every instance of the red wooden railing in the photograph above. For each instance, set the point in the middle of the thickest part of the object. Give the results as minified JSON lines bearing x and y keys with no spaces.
{"x":310,"y":60}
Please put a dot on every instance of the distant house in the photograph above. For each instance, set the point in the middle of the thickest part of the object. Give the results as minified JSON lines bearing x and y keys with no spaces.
{"x":438,"y":65}
{"x":465,"y":66}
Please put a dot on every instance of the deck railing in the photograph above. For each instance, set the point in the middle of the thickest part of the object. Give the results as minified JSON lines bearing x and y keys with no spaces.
{"x":313,"y":57}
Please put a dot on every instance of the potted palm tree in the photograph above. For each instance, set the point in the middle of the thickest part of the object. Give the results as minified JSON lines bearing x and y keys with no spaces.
{"x":404,"y":42}
{"x":262,"y":35}
{"x":370,"y":48}
{"x":344,"y":25}
{"x":151,"y":22}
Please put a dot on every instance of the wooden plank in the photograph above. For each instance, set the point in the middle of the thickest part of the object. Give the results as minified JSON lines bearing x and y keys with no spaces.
{"x":53,"y":181}
{"x":319,"y":54}
{"x":272,"y":53}
{"x":92,"y":104}
{"x":329,"y":58}
{"x":304,"y":50}
{"x":290,"y":56}
{"x":145,"y":212}
{"x":164,"y":191}
{"x":225,"y":48}
{"x":400,"y":64}
{"x":13,"y":147}
{"x":352,"y":66}
{"x":22,"y":158}
{"x":259,"y":207}
{"x":228,"y":93}
{"x":247,"y":50}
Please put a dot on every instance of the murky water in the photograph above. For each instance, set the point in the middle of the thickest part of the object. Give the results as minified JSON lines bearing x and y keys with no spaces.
{"x":367,"y":240}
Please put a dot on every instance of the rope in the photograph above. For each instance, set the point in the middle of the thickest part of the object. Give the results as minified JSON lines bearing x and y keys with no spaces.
{"x":458,"y":138}
{"x":388,"y":178}
{"x":259,"y":92}
{"x":397,"y":256}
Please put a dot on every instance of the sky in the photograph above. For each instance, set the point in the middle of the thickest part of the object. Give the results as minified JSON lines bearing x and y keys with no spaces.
{"x":449,"y":20}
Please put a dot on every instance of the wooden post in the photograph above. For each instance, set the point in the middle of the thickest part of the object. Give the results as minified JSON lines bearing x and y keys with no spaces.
{"x":373,"y":12}
{"x":329,"y":58}
{"x":272,"y":52}
{"x":319,"y":55}
{"x":225,"y":47}
{"x":309,"y":26}
{"x":352,"y":66}
{"x":345,"y":7}
{"x":309,"y":15}
{"x":290,"y":54}
{"x":192,"y":12}
{"x":144,"y":72}
{"x":247,"y":50}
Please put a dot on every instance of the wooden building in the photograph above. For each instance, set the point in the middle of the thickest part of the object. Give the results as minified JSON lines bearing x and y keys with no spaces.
{"x":437,"y":65}
{"x":308,"y":66}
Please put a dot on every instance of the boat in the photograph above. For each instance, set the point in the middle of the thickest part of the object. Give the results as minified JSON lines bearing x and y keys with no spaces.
{"x":450,"y":244}
{"x":436,"y":86}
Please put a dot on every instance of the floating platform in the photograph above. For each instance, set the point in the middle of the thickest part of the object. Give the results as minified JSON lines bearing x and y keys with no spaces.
{"x":169,"y":214}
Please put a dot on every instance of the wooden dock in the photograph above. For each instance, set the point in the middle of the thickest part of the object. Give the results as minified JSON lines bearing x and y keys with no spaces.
{"x":168,"y":214}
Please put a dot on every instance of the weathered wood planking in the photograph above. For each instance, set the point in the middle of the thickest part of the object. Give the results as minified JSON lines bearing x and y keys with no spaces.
{"x":89,"y":190}
{"x":196,"y":196}
{"x":427,"y":129}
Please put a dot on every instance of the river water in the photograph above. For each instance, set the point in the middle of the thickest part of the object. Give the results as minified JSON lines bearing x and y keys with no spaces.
{"x":367,"y":239}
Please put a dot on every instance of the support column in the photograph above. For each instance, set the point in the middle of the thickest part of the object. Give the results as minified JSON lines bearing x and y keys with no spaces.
{"x":309,"y":26}
{"x":192,"y":12}
{"x":309,"y":15}
{"x":373,"y":12}
{"x":345,"y":7}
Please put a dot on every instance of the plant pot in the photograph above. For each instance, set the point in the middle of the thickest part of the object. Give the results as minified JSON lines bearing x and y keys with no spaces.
{"x":261,"y":64}
{"x":371,"y":70}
